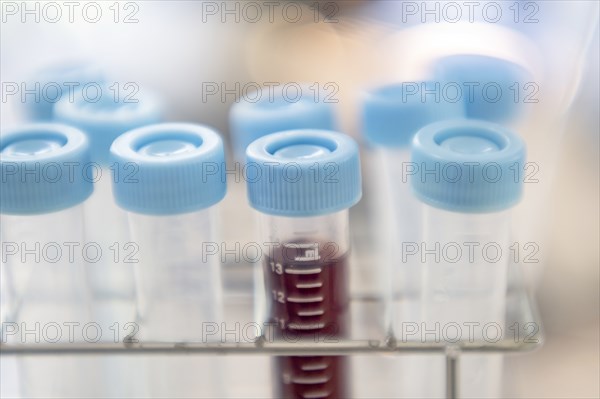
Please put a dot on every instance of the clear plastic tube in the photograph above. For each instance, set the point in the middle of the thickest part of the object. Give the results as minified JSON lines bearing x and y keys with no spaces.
{"x":400,"y":224}
{"x":179,"y":298}
{"x":179,"y":287}
{"x":465,"y":265}
{"x":45,"y":275}
{"x":467,"y":281}
{"x":391,"y":116}
{"x":111,"y":276}
{"x":171,"y":209}
{"x":44,"y":252}
{"x":111,"y":279}
{"x":51,"y":302}
{"x":405,"y":211}
{"x":465,"y":250}
{"x":306,"y":282}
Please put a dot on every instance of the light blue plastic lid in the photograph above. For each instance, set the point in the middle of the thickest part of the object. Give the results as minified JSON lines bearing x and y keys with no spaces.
{"x":392,"y":114}
{"x":468,"y":166}
{"x":168,"y":168}
{"x":74,"y":74}
{"x":497,"y":93}
{"x":303,"y":173}
{"x":107,"y":118}
{"x":45,"y":168}
{"x":263,"y":112}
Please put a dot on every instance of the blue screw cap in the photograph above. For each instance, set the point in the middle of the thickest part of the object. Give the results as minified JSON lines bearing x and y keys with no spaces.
{"x":168,"y":168}
{"x":106,"y":119}
{"x":263,"y":113}
{"x":303,"y":173}
{"x":55,"y":83}
{"x":45,"y":168}
{"x":468,"y":166}
{"x":392,"y":114}
{"x":492,"y":88}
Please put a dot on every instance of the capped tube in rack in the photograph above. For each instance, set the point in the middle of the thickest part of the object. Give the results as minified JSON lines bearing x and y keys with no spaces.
{"x":170,"y":202}
{"x":303,"y":185}
{"x":170,"y":178}
{"x":469,"y":177}
{"x":102,"y":121}
{"x":45,"y":181}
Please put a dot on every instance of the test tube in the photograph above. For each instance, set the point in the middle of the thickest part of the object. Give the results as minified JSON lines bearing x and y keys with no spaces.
{"x":43,"y":190}
{"x":391,"y":115}
{"x":44,"y":184}
{"x":102,"y":121}
{"x":171,"y":205}
{"x":303,"y":184}
{"x":110,"y":276}
{"x":507,"y":92}
{"x":268,"y":110}
{"x":469,"y":179}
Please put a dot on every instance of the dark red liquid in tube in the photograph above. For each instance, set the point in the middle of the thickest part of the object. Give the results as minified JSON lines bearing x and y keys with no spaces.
{"x":307,"y":284}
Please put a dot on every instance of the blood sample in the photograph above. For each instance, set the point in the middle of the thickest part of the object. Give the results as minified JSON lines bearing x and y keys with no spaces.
{"x":304,"y":225}
{"x":309,"y":296}
{"x":315,"y":289}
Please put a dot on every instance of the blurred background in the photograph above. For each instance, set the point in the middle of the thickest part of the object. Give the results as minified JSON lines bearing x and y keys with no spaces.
{"x":201,"y":57}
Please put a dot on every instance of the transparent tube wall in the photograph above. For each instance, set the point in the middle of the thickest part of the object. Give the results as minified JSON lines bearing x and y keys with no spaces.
{"x":111,"y":281}
{"x":405,"y":209}
{"x":402,"y":273}
{"x":331,"y":228}
{"x":45,"y":276}
{"x":44,"y":257}
{"x":106,"y":225}
{"x":178,"y":284}
{"x":178,"y":299}
{"x":465,"y":259}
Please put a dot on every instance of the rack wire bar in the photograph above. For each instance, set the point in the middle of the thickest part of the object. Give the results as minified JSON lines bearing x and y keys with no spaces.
{"x":452,"y":370}
{"x":263,"y":347}
{"x":522,"y":310}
